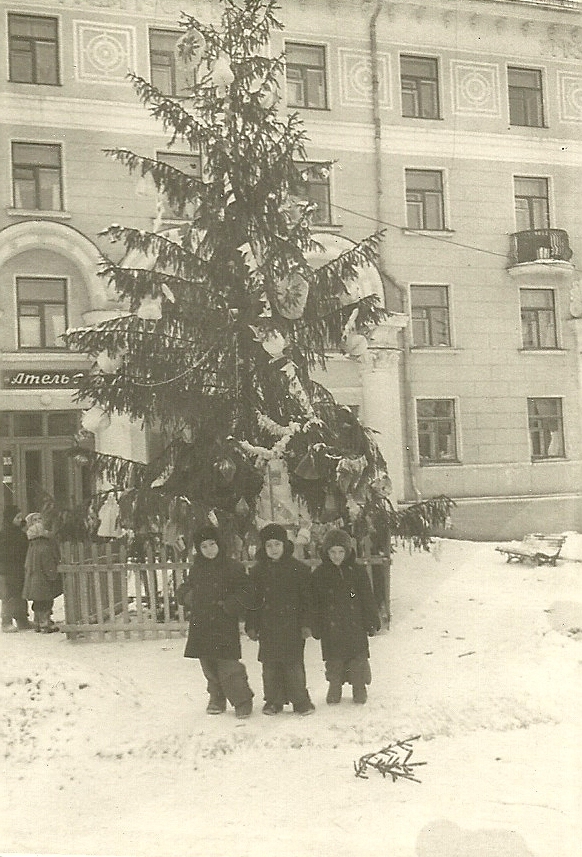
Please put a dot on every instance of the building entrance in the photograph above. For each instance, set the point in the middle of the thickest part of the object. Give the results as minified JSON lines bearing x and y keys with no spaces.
{"x":36,"y":467}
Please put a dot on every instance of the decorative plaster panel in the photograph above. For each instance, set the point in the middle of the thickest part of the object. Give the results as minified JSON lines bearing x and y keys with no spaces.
{"x":356,"y":78}
{"x":570,"y":97}
{"x":475,"y":88}
{"x":103,"y":54}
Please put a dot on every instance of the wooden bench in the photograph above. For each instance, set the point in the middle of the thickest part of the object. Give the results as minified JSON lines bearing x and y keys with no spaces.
{"x":535,"y":547}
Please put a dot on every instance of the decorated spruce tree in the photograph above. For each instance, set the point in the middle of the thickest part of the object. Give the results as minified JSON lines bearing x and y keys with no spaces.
{"x":226,"y":315}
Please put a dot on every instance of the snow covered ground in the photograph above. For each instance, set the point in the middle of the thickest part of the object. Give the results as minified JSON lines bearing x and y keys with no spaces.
{"x":108,"y":750}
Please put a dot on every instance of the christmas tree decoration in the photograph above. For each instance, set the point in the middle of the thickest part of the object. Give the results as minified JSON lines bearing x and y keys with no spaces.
{"x":224,"y":318}
{"x":95,"y":419}
{"x":391,"y":761}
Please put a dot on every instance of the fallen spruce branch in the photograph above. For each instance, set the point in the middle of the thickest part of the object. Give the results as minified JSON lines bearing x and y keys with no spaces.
{"x":393,"y":761}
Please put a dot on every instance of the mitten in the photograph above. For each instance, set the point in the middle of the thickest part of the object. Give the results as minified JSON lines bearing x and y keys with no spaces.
{"x":371,"y":632}
{"x":306,"y":633}
{"x":252,"y":634}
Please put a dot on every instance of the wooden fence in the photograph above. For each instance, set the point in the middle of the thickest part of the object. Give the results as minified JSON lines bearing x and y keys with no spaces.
{"x":109,"y":595}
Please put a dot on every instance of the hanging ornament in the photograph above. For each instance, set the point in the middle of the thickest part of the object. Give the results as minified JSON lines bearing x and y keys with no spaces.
{"x":227,"y":468}
{"x":271,"y":339}
{"x":212,"y":518}
{"x":150,"y":309}
{"x":355,"y":345}
{"x":95,"y":419}
{"x":291,"y":295}
{"x":191,"y":46}
{"x":307,"y":468}
{"x":382,"y":485}
{"x":303,"y":536}
{"x":331,"y":506}
{"x":242,"y":508}
{"x":349,"y":472}
{"x":269,"y":94}
{"x":353,"y":508}
{"x":108,"y":364}
{"x":221,"y":75}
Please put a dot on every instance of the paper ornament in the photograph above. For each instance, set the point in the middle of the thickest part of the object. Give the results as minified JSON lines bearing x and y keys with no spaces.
{"x":355,"y":345}
{"x":221,"y":75}
{"x":150,"y":309}
{"x":291,"y":295}
{"x":108,"y":364}
{"x":227,"y":468}
{"x":191,"y":46}
{"x":95,"y":419}
{"x":268,"y":95}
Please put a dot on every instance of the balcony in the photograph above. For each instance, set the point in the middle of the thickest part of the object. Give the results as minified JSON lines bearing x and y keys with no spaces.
{"x":540,"y":252}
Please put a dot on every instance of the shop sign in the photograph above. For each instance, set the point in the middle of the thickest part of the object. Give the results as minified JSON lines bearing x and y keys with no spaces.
{"x":43,"y":379}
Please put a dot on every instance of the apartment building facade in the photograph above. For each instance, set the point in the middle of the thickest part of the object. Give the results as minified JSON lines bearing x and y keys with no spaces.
{"x":454,"y":126}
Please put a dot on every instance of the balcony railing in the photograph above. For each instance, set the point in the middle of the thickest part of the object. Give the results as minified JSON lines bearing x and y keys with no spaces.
{"x":535,"y":245}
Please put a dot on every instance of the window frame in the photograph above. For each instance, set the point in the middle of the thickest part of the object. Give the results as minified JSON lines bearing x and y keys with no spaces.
{"x":41,"y":304}
{"x":160,"y":155}
{"x":544,"y":419}
{"x":326,"y":183}
{"x":435,"y":434}
{"x":531,"y":211}
{"x":171,"y":54}
{"x":421,"y":203}
{"x":536,"y":312}
{"x":302,"y":69}
{"x":36,"y":168}
{"x":33,"y":42}
{"x":429,"y":320}
{"x":540,"y":105}
{"x":418,"y":90}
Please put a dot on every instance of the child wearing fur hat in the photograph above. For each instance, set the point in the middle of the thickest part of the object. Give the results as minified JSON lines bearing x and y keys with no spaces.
{"x":215,"y":594}
{"x":280,"y":620}
{"x":344,"y":615}
{"x":42,"y":581}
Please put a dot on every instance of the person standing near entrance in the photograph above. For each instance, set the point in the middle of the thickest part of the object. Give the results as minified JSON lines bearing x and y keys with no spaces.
{"x":13,"y":548}
{"x":42,"y":581}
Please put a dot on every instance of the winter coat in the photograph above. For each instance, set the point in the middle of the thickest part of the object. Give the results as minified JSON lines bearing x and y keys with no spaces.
{"x":215,"y":593}
{"x":13,"y":548}
{"x":280,"y":606}
{"x":42,"y":581}
{"x":344,"y":610}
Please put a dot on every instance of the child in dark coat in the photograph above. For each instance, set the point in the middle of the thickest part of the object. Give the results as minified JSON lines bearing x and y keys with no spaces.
{"x":344,"y":615}
{"x":215,"y":594}
{"x":279,"y":619}
{"x":13,"y":549}
{"x":42,"y":581}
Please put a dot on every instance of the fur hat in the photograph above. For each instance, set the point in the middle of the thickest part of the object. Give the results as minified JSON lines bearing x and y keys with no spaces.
{"x":273,"y":531}
{"x":337,"y":538}
{"x":205,"y":533}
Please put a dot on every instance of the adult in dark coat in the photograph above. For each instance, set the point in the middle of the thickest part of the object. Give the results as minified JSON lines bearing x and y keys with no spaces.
{"x":42,"y":581}
{"x":215,"y":594}
{"x":344,"y":615}
{"x":280,"y":620}
{"x":13,"y":548}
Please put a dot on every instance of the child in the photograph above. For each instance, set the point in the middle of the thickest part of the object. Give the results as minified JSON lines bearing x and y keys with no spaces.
{"x":214,"y":593}
{"x":344,"y":615}
{"x":279,"y":620}
{"x":13,"y":550}
{"x":42,"y":581}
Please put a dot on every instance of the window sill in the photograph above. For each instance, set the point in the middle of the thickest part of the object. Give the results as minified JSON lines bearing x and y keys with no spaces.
{"x":45,"y":356}
{"x":406,"y":230}
{"x":551,"y":460}
{"x":440,"y":463}
{"x":536,"y":127}
{"x":306,"y":107}
{"x":327,"y":227}
{"x":425,"y":118}
{"x":33,"y":83}
{"x":38,"y":212}
{"x":542,"y":351}
{"x":436,"y":349}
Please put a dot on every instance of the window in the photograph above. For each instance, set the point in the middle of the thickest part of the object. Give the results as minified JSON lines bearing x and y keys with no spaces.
{"x":546,"y":428}
{"x":424,"y":199}
{"x":525,"y":97}
{"x":42,"y":312}
{"x":305,"y":73}
{"x":314,"y":186}
{"x":37,"y":176}
{"x":436,"y":430}
{"x":532,"y":208}
{"x":419,"y":84}
{"x":167,"y":70}
{"x":538,"y":318}
{"x":191,"y":165}
{"x":33,"y":49}
{"x":430,"y":315}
